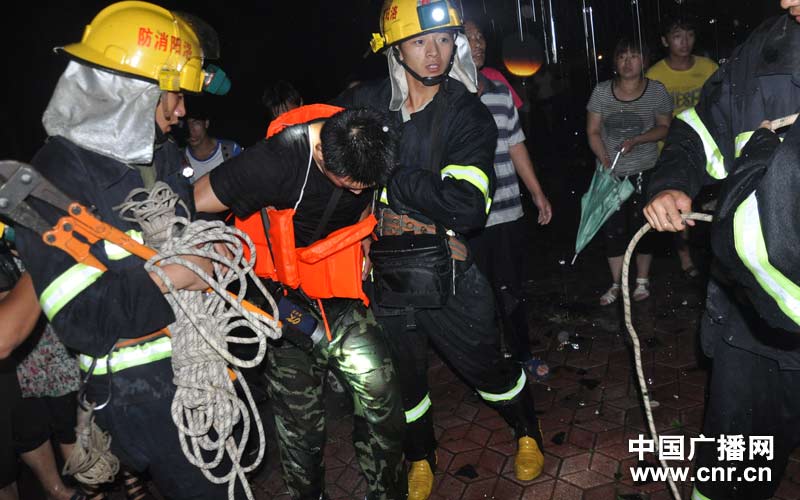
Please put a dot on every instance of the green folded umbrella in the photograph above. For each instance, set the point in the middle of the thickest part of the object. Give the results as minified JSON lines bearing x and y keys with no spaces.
{"x":605,"y":195}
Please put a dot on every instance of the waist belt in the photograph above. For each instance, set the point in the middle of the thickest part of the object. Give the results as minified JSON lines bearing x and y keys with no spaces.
{"x":393,"y":224}
{"x":129,"y":353}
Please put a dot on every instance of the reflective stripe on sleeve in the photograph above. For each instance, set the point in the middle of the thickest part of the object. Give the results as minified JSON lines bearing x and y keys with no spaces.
{"x":509,"y":395}
{"x":115,"y":252}
{"x":715,"y":164}
{"x":128,"y":357}
{"x":418,"y":411}
{"x":66,"y":287}
{"x":741,"y":141}
{"x":474,"y":176}
{"x":752,"y":250}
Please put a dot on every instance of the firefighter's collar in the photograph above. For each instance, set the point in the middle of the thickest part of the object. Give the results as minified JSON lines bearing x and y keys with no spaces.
{"x":780,"y":53}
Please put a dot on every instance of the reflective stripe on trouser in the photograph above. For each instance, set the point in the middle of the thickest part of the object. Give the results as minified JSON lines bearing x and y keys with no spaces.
{"x":715,"y":162}
{"x":362,"y":362}
{"x":465,"y":335}
{"x":127,"y":357}
{"x":752,"y":250}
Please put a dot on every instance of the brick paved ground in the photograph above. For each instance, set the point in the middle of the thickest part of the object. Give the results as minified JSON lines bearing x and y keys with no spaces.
{"x":588,"y":409}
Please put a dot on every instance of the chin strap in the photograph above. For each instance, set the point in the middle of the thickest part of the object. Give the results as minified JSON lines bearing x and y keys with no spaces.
{"x":428,"y":81}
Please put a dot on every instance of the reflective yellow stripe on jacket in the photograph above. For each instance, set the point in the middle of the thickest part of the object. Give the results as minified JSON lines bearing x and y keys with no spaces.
{"x":742,"y":140}
{"x":474,"y":176}
{"x":115,"y":252}
{"x":66,"y":287}
{"x":128,"y":357}
{"x":752,"y":249}
{"x":715,"y":164}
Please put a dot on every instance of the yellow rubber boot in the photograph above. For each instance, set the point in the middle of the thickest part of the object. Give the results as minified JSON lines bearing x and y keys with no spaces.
{"x":420,"y":480}
{"x":529,"y":462}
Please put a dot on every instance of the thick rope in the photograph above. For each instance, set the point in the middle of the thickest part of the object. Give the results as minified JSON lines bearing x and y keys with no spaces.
{"x":91,"y":461}
{"x":206,"y":407}
{"x":637,"y":352}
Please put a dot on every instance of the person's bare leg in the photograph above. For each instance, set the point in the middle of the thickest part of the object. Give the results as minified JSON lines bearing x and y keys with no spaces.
{"x":43,"y":463}
{"x":611,"y":296}
{"x":9,"y":492}
{"x":643,"y":261}
{"x":66,"y":450}
{"x":615,"y":265}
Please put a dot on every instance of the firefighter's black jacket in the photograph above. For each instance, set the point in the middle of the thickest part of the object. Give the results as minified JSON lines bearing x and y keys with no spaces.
{"x":122,"y":302}
{"x":760,"y":81}
{"x":463,"y":136}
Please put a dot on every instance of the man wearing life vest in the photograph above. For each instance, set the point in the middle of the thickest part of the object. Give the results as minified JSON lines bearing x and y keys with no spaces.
{"x":751,"y":326}
{"x":441,"y":189}
{"x":317,"y":179}
{"x":108,"y":122}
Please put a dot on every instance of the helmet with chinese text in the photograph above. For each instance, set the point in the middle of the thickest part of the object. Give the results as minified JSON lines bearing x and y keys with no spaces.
{"x":404,"y":19}
{"x":143,"y":40}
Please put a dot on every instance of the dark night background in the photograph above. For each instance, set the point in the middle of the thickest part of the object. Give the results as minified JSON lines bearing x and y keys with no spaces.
{"x":319,"y":45}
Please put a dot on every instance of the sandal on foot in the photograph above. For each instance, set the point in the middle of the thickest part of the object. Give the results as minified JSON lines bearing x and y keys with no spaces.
{"x":642,"y":290}
{"x":611,"y":295}
{"x":538,"y":369}
{"x":91,"y":492}
{"x":135,"y":487}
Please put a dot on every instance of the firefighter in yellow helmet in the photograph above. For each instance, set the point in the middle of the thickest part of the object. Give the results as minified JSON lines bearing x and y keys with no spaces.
{"x":440,"y":191}
{"x":108,"y":122}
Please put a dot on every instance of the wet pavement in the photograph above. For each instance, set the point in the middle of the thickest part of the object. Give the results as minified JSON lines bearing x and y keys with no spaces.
{"x":589,"y":408}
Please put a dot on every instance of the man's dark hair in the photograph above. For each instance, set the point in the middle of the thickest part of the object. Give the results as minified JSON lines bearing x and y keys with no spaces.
{"x":481,"y":22}
{"x":360,"y":144}
{"x":198,"y":107}
{"x":678,"y":22}
{"x":626,"y":44}
{"x":279,"y":97}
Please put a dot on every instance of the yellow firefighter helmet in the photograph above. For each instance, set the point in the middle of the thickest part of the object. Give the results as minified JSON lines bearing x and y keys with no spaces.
{"x":144,"y":40}
{"x":403,"y":19}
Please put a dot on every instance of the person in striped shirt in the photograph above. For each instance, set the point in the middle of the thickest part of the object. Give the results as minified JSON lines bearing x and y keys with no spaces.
{"x":497,"y":248}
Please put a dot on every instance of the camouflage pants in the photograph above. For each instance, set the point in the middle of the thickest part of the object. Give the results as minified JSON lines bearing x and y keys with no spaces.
{"x":361,"y":359}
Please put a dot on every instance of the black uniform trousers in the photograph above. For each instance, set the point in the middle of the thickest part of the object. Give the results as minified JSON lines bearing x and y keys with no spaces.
{"x":465,"y":336}
{"x":498,"y":252}
{"x":750,"y":395}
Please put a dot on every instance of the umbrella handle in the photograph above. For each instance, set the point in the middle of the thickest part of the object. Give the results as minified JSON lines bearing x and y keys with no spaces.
{"x":614,"y":163}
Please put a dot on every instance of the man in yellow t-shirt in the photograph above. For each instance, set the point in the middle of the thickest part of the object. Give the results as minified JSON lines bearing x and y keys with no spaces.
{"x":683,"y":74}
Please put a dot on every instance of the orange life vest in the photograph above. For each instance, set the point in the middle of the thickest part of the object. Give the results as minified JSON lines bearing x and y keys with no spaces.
{"x":327,"y":268}
{"x":303,"y":114}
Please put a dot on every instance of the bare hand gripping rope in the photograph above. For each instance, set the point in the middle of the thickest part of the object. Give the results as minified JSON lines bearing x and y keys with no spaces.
{"x":637,"y":351}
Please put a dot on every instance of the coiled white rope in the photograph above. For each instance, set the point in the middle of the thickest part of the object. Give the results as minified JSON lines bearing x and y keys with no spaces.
{"x":637,"y":352}
{"x":206,"y":408}
{"x":91,"y":460}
